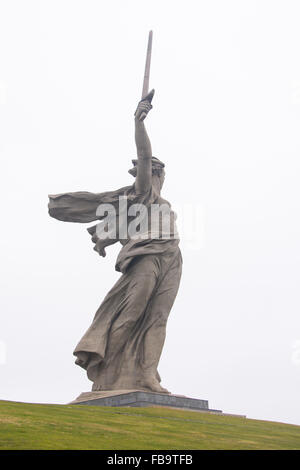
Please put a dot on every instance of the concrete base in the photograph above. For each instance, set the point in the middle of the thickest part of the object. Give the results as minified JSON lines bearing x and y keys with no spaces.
{"x":142,"y":398}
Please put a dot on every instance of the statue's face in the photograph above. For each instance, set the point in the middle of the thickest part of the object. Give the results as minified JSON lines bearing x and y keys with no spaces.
{"x":162,"y":178}
{"x":158,"y":180}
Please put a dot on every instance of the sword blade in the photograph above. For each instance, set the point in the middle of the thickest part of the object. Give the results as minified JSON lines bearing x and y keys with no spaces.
{"x":147,"y":66}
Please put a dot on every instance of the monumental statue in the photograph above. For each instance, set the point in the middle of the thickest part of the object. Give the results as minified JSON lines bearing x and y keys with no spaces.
{"x":122,"y":347}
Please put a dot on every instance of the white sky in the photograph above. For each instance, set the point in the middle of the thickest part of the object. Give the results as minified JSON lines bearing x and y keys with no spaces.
{"x":225,"y":121}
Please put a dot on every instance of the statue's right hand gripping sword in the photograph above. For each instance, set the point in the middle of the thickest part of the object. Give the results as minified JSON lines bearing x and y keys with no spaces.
{"x":145,"y":91}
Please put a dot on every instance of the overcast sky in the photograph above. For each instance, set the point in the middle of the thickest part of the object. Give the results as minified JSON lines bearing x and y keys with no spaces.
{"x":225,"y":121}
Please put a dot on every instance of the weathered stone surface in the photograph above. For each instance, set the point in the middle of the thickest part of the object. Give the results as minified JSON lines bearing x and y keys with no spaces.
{"x":122,"y":347}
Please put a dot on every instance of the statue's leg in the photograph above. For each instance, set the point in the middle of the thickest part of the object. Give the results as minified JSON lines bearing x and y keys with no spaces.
{"x":138,"y":295}
{"x":156,"y":325}
{"x":119,"y":370}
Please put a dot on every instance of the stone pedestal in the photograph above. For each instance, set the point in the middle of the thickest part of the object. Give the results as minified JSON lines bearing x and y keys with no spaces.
{"x":142,"y":398}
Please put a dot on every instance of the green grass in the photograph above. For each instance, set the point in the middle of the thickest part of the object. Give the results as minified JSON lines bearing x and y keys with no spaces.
{"x":35,"y":426}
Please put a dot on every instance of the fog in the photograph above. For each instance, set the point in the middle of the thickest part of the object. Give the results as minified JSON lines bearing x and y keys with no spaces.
{"x":225,"y":120}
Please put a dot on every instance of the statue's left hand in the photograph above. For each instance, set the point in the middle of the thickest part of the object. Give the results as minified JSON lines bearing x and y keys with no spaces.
{"x":101,"y":251}
{"x":99,"y":245}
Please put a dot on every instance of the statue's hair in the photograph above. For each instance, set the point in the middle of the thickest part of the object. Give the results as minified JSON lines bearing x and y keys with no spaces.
{"x":157,"y":167}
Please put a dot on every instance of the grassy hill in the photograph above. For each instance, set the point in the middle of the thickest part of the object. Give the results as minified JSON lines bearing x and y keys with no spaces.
{"x":35,"y":426}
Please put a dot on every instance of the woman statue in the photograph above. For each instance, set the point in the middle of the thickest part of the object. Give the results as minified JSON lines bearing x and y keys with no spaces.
{"x":122,"y":347}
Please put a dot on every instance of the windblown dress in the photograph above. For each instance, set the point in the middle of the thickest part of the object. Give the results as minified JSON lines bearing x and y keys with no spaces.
{"x":122,"y":347}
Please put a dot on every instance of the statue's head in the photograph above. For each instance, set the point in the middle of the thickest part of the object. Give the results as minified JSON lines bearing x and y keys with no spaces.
{"x":157,"y":169}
